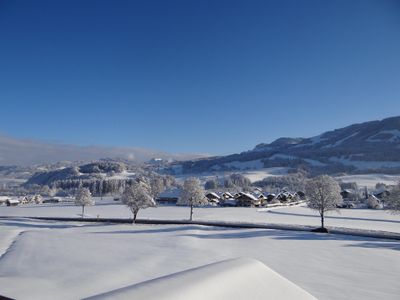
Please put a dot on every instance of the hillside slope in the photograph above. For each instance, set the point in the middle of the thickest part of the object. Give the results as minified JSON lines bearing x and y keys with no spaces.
{"x":367,"y":147}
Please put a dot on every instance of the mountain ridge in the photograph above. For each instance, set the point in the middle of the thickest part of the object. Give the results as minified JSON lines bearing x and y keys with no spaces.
{"x":369,"y":146}
{"x":25,"y":152}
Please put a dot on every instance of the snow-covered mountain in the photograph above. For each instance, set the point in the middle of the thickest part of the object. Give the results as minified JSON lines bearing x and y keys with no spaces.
{"x":25,"y":152}
{"x":367,"y":147}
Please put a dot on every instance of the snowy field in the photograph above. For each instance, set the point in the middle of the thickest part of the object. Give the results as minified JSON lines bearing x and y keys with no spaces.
{"x":253,"y":174}
{"x":56,"y":260}
{"x":370,"y":180}
{"x":349,"y":218}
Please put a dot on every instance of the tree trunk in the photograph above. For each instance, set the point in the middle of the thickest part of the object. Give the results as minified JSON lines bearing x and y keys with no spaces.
{"x":83,"y":210}
{"x":191,"y":212}
{"x":322,"y":220}
{"x":134,"y":216}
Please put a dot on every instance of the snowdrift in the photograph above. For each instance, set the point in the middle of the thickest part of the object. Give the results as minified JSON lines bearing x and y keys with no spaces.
{"x":241,"y":278}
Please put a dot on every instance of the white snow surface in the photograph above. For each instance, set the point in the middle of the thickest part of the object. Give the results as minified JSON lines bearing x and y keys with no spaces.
{"x":282,"y":156}
{"x":301,"y":215}
{"x":245,"y":165}
{"x":239,"y":279}
{"x":370,"y":180}
{"x":56,"y":260}
{"x":339,"y":142}
{"x":252,"y":175}
{"x":394,"y":138}
{"x":364,"y":165}
{"x":315,"y":163}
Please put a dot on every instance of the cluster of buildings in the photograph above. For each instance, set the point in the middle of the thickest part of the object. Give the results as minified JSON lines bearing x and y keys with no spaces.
{"x":32,"y":199}
{"x":353,"y":198}
{"x":255,"y":198}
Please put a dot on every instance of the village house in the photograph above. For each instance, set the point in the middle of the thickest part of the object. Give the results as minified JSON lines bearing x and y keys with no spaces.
{"x":227,"y":195}
{"x":169,"y":196}
{"x":12,"y":202}
{"x":349,"y":195}
{"x":213,"y":198}
{"x":3,"y":199}
{"x":247,"y":200}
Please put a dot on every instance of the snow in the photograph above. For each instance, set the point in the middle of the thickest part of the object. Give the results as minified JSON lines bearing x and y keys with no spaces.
{"x":314,"y":162}
{"x":267,"y":172}
{"x":350,"y":218}
{"x":339,"y":142}
{"x":394,"y":132}
{"x":245,"y":165}
{"x":120,"y":176}
{"x":171,"y":193}
{"x":241,"y":278}
{"x":282,"y":156}
{"x":363,"y":165}
{"x":370,"y":180}
{"x":98,"y":258}
{"x":313,"y":141}
{"x":252,"y":175}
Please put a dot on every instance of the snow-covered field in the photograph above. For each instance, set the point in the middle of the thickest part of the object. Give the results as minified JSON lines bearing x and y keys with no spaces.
{"x":239,"y":279}
{"x":370,"y":180}
{"x":253,"y":174}
{"x":350,"y":218}
{"x":56,"y":260}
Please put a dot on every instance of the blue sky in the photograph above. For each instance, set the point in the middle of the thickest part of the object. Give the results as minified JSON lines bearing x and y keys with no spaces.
{"x":195,"y":76}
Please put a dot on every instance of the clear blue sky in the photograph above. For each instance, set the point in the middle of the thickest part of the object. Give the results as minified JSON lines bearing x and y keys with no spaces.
{"x":195,"y":76}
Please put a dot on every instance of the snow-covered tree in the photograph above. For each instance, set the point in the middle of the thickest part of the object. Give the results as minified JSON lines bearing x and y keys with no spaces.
{"x":83,"y":198}
{"x":323,"y":194}
{"x":137,"y":196}
{"x":192,"y":194}
{"x":211,"y":184}
{"x":393,"y":199}
{"x":157,"y":186}
{"x":38,"y":199}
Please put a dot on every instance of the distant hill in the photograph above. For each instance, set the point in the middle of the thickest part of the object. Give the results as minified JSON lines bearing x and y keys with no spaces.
{"x":22,"y":152}
{"x":359,"y":148}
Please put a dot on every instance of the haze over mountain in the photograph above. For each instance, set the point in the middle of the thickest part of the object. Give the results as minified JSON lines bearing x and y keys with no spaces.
{"x":15,"y":151}
{"x":367,"y":147}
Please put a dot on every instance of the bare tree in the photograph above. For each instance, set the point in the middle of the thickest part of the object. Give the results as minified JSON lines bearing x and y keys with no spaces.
{"x":137,"y":196}
{"x":192,"y":194}
{"x":84,"y":198}
{"x":323,"y":194}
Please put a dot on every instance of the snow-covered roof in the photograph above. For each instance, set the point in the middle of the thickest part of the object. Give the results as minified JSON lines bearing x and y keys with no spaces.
{"x":228,"y":194}
{"x":13,"y":201}
{"x":171,"y":193}
{"x":250,"y":196}
{"x":213,"y":194}
{"x":372,"y":196}
{"x":350,"y":191}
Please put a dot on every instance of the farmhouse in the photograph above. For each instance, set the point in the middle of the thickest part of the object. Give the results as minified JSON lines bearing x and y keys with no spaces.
{"x":169,"y":197}
{"x":52,"y":200}
{"x":227,"y":195}
{"x":348,"y":194}
{"x":381,"y":193}
{"x":247,"y":200}
{"x":3,"y":199}
{"x":12,"y":202}
{"x":213,"y":198}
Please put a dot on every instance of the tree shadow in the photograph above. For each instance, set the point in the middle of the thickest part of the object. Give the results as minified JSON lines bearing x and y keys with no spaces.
{"x":332,"y":217}
{"x":357,"y":241}
{"x":26,"y":223}
{"x":174,"y":228}
{"x":381,"y":244}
